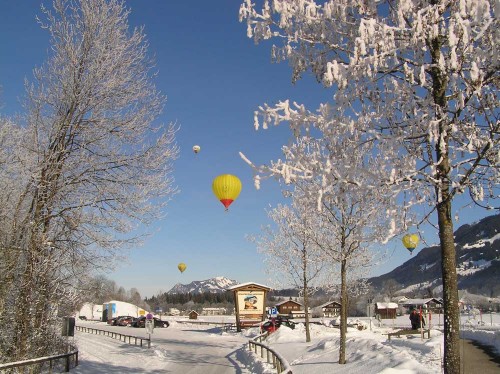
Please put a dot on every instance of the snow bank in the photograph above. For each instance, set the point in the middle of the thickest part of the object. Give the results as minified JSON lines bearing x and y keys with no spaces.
{"x":485,"y":336}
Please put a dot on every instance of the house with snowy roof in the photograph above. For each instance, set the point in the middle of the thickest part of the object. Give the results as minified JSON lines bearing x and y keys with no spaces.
{"x":386,"y":310}
{"x":431,"y":304}
{"x":291,"y":308}
{"x":213,"y":311}
{"x":330,"y":309}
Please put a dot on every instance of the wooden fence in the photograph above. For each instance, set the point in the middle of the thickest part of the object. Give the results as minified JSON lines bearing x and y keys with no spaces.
{"x":272,"y":357}
{"x":71,"y":357}
{"x":115,"y":335}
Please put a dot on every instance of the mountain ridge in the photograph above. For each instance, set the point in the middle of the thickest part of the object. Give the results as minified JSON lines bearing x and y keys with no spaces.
{"x":217,"y":284}
{"x":478,"y":266}
{"x":477,"y":258}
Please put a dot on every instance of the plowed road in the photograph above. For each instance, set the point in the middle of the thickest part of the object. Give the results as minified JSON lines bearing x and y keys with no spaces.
{"x":177,"y":349}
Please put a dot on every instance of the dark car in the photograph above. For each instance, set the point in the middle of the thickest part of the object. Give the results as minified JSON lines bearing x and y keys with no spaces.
{"x":125,"y":321}
{"x":141,"y":322}
{"x":286,"y":321}
{"x":114,"y":321}
{"x":271,"y":326}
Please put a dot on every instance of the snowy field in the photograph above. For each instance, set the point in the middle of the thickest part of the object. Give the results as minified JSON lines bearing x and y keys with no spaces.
{"x":189,"y":348}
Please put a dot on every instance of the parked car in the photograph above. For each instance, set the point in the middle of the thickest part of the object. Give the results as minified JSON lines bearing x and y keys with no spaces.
{"x":286,"y":321}
{"x":125,"y":321}
{"x":270,"y":326}
{"x":141,"y":322}
{"x":114,"y":321}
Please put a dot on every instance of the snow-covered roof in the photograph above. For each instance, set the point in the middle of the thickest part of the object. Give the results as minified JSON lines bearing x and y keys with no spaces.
{"x":328,"y":303}
{"x":420,"y":301}
{"x":387,"y":305}
{"x":247,"y":284}
{"x":208,"y":309}
{"x":286,"y":301}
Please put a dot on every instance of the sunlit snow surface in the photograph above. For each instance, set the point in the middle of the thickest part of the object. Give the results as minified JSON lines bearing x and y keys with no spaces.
{"x":189,"y":348}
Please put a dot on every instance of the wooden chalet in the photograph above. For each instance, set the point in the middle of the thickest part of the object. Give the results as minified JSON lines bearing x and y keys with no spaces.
{"x":330,"y":309}
{"x":290,"y":308}
{"x":431,"y":304}
{"x":386,"y":310}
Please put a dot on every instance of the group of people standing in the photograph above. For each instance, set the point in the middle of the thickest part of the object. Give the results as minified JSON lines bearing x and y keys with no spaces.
{"x":416,"y":320}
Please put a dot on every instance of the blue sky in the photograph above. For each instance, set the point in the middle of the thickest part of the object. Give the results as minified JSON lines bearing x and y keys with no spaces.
{"x":214,"y":78}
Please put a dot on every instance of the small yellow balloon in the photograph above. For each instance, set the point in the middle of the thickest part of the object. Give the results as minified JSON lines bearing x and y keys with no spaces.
{"x":182,"y":266}
{"x":227,"y":188}
{"x":196,"y":148}
{"x":410,"y":241}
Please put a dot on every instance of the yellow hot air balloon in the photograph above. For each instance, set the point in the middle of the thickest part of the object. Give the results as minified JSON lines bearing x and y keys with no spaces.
{"x":410,"y":241}
{"x":196,"y":148}
{"x":226,"y":187}
{"x":182,"y":266}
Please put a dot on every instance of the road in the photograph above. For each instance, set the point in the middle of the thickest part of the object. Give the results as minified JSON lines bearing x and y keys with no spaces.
{"x":476,"y":358}
{"x":178,"y":349}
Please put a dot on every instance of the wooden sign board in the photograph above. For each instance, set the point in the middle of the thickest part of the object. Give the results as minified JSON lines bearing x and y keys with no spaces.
{"x":249,"y":301}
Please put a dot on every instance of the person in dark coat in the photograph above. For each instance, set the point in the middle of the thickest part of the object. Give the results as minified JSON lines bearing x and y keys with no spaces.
{"x":415,"y":320}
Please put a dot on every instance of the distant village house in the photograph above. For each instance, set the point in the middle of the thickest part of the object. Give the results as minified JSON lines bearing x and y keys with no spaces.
{"x":174,"y":312}
{"x":330,"y":309}
{"x":386,"y":310}
{"x":213,"y":311}
{"x":291,"y":308}
{"x":431,"y":304}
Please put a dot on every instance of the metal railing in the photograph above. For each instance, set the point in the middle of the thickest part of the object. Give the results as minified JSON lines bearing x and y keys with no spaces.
{"x":69,"y":357}
{"x":226,"y":326}
{"x":196,"y":322}
{"x":115,"y":335}
{"x":272,"y":357}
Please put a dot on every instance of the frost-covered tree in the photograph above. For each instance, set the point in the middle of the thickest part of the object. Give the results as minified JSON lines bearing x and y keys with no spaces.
{"x":390,"y":289}
{"x":350,"y":211}
{"x":85,"y":167}
{"x":351,"y":216}
{"x":291,"y":255}
{"x":420,"y":77}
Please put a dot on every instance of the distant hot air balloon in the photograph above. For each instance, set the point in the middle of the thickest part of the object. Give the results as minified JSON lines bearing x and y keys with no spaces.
{"x":226,"y":187}
{"x":196,"y":148}
{"x":410,"y":241}
{"x":182,"y":266}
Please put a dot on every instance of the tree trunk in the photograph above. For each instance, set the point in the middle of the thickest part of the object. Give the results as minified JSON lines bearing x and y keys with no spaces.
{"x":306,"y":297}
{"x":445,"y":223}
{"x":22,"y":312}
{"x":450,"y":290}
{"x":343,"y":311}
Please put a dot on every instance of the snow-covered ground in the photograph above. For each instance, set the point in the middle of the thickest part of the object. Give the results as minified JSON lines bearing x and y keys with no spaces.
{"x":190,"y":348}
{"x":177,"y":349}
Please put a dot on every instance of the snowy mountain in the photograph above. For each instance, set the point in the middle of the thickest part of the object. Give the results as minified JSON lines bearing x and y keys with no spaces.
{"x":214,"y":285}
{"x":478,"y":263}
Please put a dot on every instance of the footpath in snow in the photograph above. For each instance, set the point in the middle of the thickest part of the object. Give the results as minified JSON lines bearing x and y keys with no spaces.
{"x":178,"y":349}
{"x":189,"y":348}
